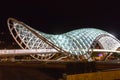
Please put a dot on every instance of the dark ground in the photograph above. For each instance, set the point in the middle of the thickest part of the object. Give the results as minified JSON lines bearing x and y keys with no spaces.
{"x":42,"y":70}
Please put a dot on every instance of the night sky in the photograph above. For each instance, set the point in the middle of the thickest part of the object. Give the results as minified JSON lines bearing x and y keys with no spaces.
{"x":58,"y":16}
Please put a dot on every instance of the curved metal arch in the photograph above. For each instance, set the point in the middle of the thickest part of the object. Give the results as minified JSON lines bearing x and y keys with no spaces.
{"x":13,"y":25}
{"x":101,"y":36}
{"x":96,"y":41}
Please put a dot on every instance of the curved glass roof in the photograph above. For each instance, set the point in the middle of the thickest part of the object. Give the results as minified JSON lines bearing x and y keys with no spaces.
{"x":75,"y":41}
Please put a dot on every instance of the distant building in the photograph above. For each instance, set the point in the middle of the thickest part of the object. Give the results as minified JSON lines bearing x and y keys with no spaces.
{"x":73,"y":45}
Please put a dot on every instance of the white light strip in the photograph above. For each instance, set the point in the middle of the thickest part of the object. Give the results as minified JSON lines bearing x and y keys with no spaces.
{"x":104,"y":50}
{"x":26,"y":51}
{"x":99,"y":50}
{"x":45,"y":51}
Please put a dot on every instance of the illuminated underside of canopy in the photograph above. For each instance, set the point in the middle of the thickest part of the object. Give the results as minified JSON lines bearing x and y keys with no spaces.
{"x":71,"y":45}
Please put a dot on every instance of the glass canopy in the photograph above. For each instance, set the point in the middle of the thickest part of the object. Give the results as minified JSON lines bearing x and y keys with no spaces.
{"x":76,"y":42}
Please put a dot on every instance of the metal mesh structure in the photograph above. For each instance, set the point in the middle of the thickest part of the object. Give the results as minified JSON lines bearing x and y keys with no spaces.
{"x":70,"y":45}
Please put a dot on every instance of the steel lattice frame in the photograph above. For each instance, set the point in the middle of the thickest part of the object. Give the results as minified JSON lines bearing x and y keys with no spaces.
{"x":28,"y":39}
{"x":67,"y":44}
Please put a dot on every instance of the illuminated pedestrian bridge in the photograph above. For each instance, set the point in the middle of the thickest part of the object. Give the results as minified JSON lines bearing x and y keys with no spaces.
{"x":82,"y":44}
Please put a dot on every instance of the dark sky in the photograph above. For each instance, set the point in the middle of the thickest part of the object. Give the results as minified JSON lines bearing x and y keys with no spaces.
{"x":62,"y":16}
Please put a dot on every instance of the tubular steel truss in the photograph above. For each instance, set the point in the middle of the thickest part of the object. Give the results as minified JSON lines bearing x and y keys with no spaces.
{"x":27,"y":38}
